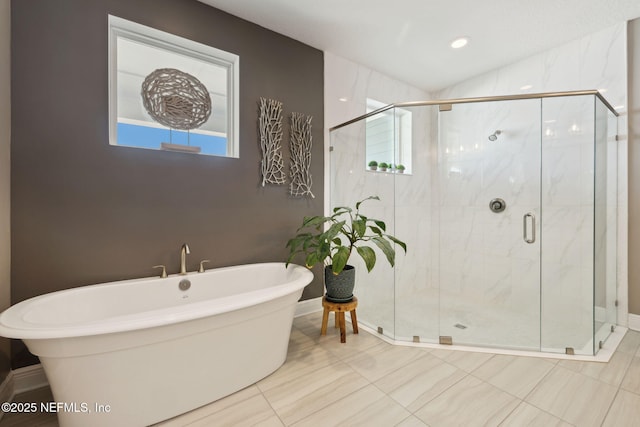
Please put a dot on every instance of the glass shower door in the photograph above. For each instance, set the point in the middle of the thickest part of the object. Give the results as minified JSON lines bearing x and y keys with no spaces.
{"x":352,"y":181}
{"x":489,"y":158}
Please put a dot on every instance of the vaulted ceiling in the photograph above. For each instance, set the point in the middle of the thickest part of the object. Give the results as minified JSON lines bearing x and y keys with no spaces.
{"x":410,"y":39}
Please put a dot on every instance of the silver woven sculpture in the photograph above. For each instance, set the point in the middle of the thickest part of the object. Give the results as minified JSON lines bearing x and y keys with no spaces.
{"x":300,"y":147}
{"x":176,"y":99}
{"x":270,"y":123}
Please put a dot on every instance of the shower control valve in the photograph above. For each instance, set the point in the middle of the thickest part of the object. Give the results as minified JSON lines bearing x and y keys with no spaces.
{"x":497,"y":205}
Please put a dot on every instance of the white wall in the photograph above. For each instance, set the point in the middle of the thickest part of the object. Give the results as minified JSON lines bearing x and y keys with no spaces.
{"x":5,"y":142}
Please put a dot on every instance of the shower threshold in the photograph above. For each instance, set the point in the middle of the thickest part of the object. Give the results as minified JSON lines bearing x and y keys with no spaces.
{"x":603,"y":355}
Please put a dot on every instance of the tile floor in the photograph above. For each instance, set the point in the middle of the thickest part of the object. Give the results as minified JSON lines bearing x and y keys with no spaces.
{"x":368,"y":382}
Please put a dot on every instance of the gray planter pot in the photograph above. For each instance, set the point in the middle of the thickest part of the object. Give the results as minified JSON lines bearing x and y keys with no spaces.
{"x":340,"y":287}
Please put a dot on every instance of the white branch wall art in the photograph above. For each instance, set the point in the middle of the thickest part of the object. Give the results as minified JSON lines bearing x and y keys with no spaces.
{"x":270,"y":123}
{"x":300,"y":147}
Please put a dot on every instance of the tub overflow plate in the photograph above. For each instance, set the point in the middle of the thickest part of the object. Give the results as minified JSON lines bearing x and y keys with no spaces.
{"x":184,"y":284}
{"x":497,"y":205}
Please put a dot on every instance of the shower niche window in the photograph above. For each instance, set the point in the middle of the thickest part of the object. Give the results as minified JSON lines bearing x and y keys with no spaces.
{"x":540,"y":274}
{"x":388,"y":137}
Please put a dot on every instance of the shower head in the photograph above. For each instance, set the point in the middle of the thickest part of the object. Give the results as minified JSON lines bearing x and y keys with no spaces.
{"x":494,"y":135}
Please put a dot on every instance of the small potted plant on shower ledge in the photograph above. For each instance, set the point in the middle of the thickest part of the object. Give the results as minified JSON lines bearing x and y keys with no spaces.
{"x":348,"y":229}
{"x":373,"y":165}
{"x":383,"y":166}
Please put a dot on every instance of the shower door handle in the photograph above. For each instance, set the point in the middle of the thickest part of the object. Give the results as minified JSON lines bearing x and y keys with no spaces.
{"x":525,"y":232}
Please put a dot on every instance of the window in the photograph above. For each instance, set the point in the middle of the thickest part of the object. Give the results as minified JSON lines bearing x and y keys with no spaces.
{"x":388,"y":136}
{"x":136,"y":54}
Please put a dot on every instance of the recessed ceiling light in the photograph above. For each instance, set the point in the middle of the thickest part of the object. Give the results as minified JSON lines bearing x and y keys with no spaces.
{"x":526,"y":87}
{"x":459,"y":42}
{"x":343,"y":99}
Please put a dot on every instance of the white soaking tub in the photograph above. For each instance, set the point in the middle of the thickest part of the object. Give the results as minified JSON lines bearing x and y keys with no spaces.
{"x":135,"y":352}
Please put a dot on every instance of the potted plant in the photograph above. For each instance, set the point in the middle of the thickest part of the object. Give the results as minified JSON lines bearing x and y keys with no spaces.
{"x":383,"y":166}
{"x":347,"y":230}
{"x":373,"y":165}
{"x":400,"y":168}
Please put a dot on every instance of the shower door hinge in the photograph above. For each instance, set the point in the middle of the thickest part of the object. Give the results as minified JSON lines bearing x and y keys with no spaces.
{"x":569,"y":351}
{"x":617,"y":137}
{"x":380,"y":330}
{"x":446,"y":340}
{"x":616,"y":303}
{"x":445,"y":107}
{"x":331,"y":148}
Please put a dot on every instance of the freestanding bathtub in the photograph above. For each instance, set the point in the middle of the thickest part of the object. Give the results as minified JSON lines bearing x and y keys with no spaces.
{"x":135,"y":352}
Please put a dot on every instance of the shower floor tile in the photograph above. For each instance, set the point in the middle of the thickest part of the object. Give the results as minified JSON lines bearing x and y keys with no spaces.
{"x":367,"y":381}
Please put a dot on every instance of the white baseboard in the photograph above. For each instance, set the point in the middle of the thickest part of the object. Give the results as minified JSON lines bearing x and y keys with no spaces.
{"x":634,"y":322}
{"x":21,"y":380}
{"x":308,"y":306}
{"x":6,"y":389}
{"x":29,"y":378}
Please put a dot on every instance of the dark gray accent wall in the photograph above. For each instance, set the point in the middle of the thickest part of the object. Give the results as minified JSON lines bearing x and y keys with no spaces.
{"x":85,"y":212}
{"x":5,"y":177}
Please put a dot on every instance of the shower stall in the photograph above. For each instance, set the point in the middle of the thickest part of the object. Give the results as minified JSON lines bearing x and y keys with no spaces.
{"x":508,"y":206}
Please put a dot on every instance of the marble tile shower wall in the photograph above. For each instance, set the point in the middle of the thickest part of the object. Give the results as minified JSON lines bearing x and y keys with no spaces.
{"x":597,"y":61}
{"x":405,"y":200}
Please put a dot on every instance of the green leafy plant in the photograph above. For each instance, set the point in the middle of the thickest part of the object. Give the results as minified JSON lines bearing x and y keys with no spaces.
{"x":383,"y":165}
{"x":400,"y":167}
{"x":348,"y":229}
{"x":373,"y":163}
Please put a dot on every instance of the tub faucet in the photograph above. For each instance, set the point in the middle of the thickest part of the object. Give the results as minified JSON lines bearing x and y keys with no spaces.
{"x":183,"y":258}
